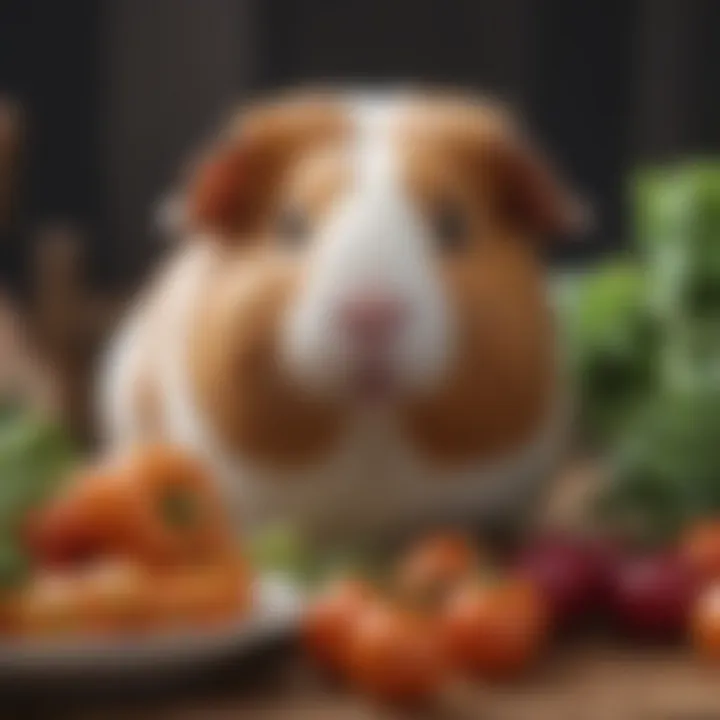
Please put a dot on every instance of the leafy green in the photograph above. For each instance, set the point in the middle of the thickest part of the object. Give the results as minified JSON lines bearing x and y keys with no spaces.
{"x":677,"y":220}
{"x":667,"y":467}
{"x":35,"y":455}
{"x":284,"y":549}
{"x":611,"y":334}
{"x":644,"y":335}
{"x":281,"y":548}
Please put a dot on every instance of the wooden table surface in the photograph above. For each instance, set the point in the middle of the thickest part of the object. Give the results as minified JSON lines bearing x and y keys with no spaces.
{"x":594,"y":681}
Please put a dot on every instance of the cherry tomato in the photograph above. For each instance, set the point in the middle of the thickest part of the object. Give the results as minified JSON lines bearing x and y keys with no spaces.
{"x":329,"y":622}
{"x":495,"y":630}
{"x":433,"y":567}
{"x":395,"y":656}
{"x":705,"y":623}
{"x":700,"y":548}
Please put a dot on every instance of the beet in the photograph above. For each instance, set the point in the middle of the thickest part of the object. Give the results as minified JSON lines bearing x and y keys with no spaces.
{"x":574,"y":574}
{"x":652,"y":595}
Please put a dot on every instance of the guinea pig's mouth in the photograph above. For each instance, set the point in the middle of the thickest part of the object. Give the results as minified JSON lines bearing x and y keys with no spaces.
{"x":373,"y":380}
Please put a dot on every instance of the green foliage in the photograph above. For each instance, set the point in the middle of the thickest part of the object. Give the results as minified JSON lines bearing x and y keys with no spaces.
{"x":677,"y":220}
{"x":280,"y":548}
{"x":35,"y":456}
{"x":286,"y":550}
{"x":645,"y":341}
{"x":611,"y":336}
{"x":666,"y":469}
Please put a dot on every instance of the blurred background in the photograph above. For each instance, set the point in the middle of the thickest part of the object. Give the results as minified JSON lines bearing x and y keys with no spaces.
{"x":116,"y":93}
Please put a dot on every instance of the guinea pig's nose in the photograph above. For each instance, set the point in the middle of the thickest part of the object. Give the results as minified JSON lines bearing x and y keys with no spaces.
{"x":373,"y":319}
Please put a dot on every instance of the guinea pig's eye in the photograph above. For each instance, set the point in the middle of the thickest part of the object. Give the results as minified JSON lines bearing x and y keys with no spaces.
{"x":293,"y":227}
{"x":450,"y":227}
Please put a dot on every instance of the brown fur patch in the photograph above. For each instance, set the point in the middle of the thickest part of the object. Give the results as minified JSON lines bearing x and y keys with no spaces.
{"x":237,"y":183}
{"x":507,"y":169}
{"x":501,"y":383}
{"x":234,"y":362}
{"x":315,"y":180}
{"x":289,"y":153}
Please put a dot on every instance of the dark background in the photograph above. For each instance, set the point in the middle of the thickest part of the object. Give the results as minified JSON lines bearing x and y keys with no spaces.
{"x":118,"y":91}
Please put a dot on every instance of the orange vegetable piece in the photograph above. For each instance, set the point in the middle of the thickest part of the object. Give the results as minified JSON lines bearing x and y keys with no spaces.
{"x":330,"y":619}
{"x":700,"y":548}
{"x":159,"y":506}
{"x":495,"y":630}
{"x":201,"y":596}
{"x":395,"y":656}
{"x":50,"y":605}
{"x":434,"y":566}
{"x":117,"y":596}
{"x":76,"y":526}
{"x":705,"y":623}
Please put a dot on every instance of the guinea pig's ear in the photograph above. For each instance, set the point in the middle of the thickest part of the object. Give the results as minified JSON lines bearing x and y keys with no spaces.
{"x":217,"y":197}
{"x":232,"y":185}
{"x":530,"y":192}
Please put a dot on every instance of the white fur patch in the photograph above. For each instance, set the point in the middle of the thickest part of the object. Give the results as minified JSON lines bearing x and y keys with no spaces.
{"x":373,"y":241}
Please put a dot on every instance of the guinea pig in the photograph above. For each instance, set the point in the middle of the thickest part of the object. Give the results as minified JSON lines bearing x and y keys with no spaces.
{"x":354,"y":330}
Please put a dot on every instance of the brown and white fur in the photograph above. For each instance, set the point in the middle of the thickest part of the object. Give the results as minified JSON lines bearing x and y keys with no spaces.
{"x":354,"y":332}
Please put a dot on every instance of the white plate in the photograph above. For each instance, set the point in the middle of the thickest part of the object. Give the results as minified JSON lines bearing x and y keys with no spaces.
{"x":277,"y":605}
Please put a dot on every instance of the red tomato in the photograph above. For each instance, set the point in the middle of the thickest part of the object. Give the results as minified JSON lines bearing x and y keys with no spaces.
{"x":330,"y":620}
{"x":433,"y":567}
{"x":705,"y":623}
{"x":700,"y":548}
{"x":395,"y":656}
{"x":495,"y":630}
